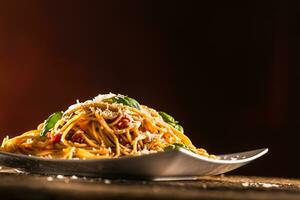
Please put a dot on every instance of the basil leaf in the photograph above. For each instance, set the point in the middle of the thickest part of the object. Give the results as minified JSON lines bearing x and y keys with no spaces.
{"x":174,"y":146}
{"x":169,"y":148}
{"x":50,"y":122}
{"x":133,"y":103}
{"x":183,"y":146}
{"x":170,"y":120}
{"x":179,"y":128}
{"x":177,"y":146}
{"x":167,"y":118}
{"x":125,"y":101}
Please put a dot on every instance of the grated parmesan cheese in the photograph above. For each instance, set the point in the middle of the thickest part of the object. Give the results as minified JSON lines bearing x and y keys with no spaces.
{"x":99,"y":98}
{"x":29,"y":141}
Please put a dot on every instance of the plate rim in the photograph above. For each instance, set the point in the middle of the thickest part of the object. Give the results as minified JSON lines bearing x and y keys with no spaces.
{"x":180,"y":150}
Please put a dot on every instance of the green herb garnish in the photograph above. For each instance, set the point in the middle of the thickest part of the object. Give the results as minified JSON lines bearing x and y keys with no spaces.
{"x":125,"y":100}
{"x":179,"y":128}
{"x":177,"y":146}
{"x":167,"y":118}
{"x":170,"y":120}
{"x":50,"y":122}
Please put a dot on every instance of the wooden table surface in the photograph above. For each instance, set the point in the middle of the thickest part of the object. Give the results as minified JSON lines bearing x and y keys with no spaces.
{"x":28,"y":186}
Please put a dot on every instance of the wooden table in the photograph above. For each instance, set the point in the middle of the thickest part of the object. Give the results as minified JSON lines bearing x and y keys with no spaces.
{"x":28,"y":186}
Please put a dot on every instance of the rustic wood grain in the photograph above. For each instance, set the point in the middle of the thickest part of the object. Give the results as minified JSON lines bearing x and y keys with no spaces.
{"x":28,"y":186}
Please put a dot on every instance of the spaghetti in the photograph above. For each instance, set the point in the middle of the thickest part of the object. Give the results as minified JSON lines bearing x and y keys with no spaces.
{"x":109,"y":126}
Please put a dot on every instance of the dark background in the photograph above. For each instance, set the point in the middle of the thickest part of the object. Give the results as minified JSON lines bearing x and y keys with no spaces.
{"x":223,"y":69}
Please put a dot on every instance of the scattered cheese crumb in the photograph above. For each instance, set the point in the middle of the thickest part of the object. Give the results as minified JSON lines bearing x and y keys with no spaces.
{"x":246,"y":184}
{"x":268,"y":185}
{"x":265,"y":185}
{"x":29,"y":141}
{"x":74,"y":177}
{"x":60,"y":176}
{"x":49,"y":178}
{"x":106,"y":181}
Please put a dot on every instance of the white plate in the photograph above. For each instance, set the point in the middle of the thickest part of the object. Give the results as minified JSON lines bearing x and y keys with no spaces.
{"x":170,"y":165}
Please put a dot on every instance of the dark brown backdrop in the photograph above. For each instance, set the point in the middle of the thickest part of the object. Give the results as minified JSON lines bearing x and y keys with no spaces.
{"x":222,"y":69}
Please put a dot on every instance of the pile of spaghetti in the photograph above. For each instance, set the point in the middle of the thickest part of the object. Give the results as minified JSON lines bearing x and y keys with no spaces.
{"x":108,"y":126}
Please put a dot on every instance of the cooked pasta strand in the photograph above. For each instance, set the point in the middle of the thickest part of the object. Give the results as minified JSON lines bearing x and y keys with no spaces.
{"x":101,"y":128}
